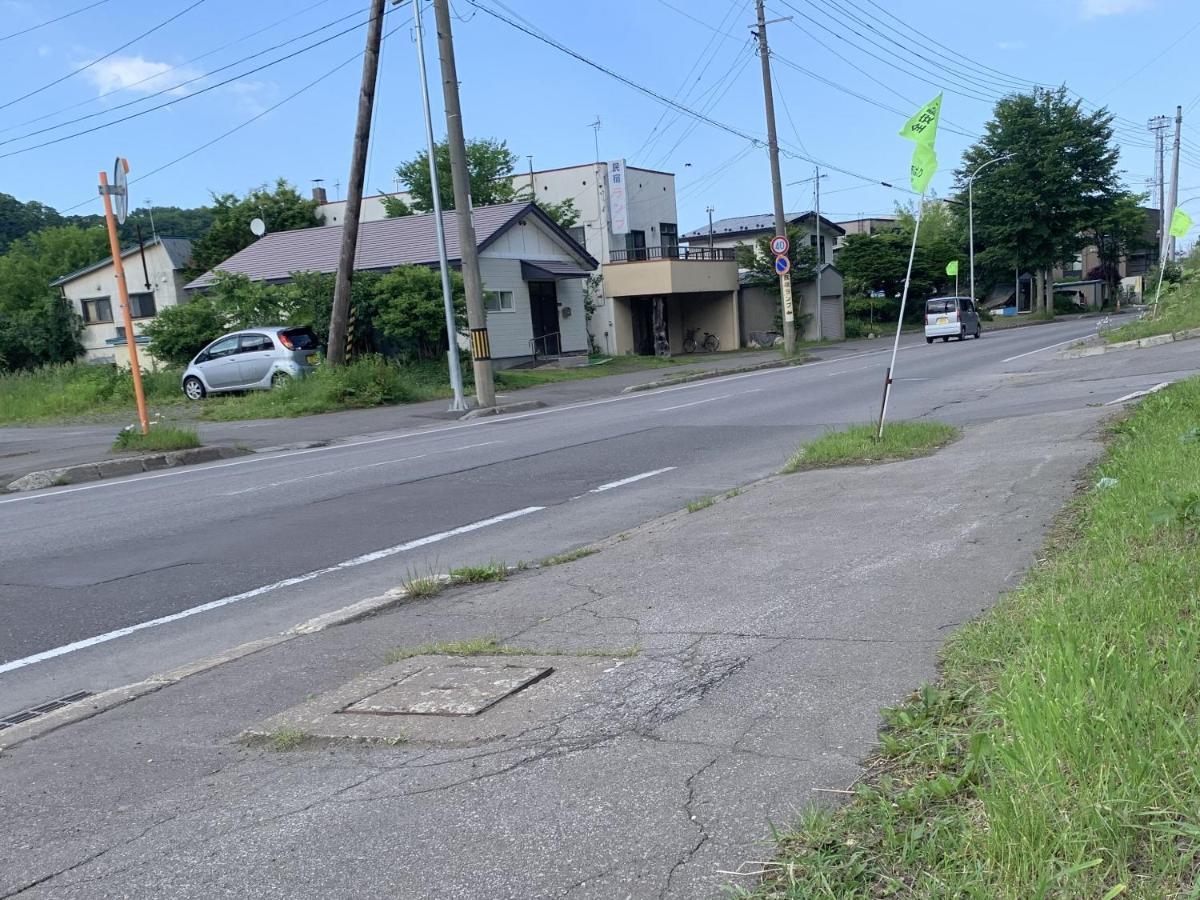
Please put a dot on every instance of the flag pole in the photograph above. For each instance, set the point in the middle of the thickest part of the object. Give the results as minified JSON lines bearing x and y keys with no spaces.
{"x":887,"y":378}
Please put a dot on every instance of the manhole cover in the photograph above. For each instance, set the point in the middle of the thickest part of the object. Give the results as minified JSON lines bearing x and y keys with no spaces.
{"x":448,"y":691}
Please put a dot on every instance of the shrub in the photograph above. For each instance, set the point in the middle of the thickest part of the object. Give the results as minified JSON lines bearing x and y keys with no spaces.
{"x":178,"y":333}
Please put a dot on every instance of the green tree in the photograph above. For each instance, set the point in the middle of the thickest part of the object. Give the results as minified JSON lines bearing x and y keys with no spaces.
{"x":565,"y":212}
{"x":489,"y":162}
{"x":281,"y":208}
{"x":409,"y":310}
{"x":395,"y":208}
{"x":178,"y":333}
{"x":19,"y":219}
{"x":36,"y":325}
{"x":1121,"y":232}
{"x":1037,"y":209}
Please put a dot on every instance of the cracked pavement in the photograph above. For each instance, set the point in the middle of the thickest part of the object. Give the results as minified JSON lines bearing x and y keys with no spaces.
{"x":772,"y":627}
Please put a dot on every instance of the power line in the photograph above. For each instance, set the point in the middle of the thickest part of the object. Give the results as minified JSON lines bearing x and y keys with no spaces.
{"x":1171,"y":46}
{"x":86,"y":66}
{"x":203,"y":90}
{"x":52,"y":21}
{"x":725,"y":84}
{"x":182,"y":84}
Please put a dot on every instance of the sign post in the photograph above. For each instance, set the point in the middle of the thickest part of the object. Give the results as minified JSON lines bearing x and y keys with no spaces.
{"x":120,"y":190}
{"x":783,"y":265}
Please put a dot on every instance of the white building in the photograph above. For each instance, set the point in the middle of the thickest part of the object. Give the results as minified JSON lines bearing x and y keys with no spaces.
{"x":92,"y":291}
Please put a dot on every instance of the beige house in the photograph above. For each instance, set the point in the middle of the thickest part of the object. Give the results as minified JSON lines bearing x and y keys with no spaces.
{"x":92,"y":292}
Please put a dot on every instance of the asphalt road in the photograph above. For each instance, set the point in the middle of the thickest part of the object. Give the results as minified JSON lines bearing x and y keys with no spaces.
{"x":110,"y":582}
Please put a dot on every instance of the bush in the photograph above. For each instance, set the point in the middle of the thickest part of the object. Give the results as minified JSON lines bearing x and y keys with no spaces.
{"x":856,"y":328}
{"x":178,"y":333}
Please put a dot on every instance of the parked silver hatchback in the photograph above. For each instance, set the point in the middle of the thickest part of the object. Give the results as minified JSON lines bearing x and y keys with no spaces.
{"x":251,"y":360}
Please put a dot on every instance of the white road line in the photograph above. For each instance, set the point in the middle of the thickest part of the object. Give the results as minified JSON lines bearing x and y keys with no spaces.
{"x":630,"y":480}
{"x":1136,"y":394}
{"x":1041,"y":349}
{"x":374,"y":556}
{"x":708,"y":400}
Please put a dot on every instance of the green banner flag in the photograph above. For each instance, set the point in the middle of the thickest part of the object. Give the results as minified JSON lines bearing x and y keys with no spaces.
{"x":952,"y":268}
{"x":924,"y":164}
{"x":1180,"y":223}
{"x":922,"y":127}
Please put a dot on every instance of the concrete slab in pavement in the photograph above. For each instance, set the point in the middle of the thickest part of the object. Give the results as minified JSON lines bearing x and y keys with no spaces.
{"x":772,"y":626}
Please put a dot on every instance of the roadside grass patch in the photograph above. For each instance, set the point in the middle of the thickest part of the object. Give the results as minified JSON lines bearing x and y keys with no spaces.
{"x":735,"y":492}
{"x":285,"y":739}
{"x":492,"y":571}
{"x":1178,"y":310}
{"x":1057,"y":756}
{"x":569,"y":556}
{"x":598,"y":367}
{"x":857,"y":445}
{"x":491,"y":646}
{"x":701,"y":503}
{"x":422,"y":586}
{"x":79,"y":391}
{"x":158,"y":438}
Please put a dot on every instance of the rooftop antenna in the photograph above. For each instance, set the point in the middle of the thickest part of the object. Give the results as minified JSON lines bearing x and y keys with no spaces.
{"x":150,"y":210}
{"x":337,"y":190}
{"x":595,"y":126}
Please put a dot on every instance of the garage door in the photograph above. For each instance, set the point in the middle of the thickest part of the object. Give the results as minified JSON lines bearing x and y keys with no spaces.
{"x":832,"y":327}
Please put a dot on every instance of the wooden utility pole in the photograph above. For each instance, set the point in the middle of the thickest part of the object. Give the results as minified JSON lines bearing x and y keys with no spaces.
{"x":336,"y":351}
{"x":481,"y":351}
{"x":789,"y":323}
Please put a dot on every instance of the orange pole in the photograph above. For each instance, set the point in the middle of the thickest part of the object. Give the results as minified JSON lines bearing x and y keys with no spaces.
{"x":114,"y":242}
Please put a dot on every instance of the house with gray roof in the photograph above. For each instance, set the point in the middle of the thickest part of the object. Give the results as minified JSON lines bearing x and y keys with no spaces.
{"x":153,"y":286}
{"x":534,"y":272}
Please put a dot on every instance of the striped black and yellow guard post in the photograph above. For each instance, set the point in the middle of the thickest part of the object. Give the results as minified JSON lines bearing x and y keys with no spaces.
{"x":480,"y":347}
{"x":350,"y":333}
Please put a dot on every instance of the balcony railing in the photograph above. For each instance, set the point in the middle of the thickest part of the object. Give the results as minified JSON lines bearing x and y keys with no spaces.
{"x":641,"y":254}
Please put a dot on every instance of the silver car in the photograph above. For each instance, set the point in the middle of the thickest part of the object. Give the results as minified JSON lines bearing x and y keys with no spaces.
{"x":251,"y":360}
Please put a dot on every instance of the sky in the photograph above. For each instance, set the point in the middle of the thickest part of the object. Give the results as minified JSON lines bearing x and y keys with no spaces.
{"x":847,"y":72}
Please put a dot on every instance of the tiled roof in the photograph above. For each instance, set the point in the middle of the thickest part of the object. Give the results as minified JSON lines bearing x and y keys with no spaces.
{"x":764,"y":222}
{"x":179,"y":251}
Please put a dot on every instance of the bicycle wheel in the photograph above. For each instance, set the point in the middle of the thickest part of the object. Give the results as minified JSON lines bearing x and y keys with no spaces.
{"x":711,"y":343}
{"x":689,"y":345}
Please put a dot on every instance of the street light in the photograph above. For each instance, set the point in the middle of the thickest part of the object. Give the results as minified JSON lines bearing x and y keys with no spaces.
{"x":971,"y":214}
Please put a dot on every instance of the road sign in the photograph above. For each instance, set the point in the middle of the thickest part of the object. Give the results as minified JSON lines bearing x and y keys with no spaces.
{"x":785,"y":286}
{"x":783,"y":265}
{"x":120,"y":189}
{"x":779,"y":245}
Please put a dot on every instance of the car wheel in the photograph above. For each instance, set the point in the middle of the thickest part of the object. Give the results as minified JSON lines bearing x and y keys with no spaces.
{"x":962,"y":333}
{"x":929,"y":340}
{"x":280,"y":379}
{"x":978,"y":333}
{"x":946,"y":339}
{"x":193,"y":388}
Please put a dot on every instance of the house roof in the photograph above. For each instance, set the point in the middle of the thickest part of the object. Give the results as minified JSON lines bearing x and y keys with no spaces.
{"x":179,"y":251}
{"x":759,"y":224}
{"x":382,"y":244}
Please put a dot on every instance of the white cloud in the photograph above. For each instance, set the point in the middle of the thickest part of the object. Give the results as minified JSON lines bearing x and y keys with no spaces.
{"x":136,"y":73}
{"x":253,"y":97}
{"x":1011,"y":45}
{"x":1094,"y":8}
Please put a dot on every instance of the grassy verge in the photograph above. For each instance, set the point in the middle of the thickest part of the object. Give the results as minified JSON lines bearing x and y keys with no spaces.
{"x":599,"y":367}
{"x":490,"y":646}
{"x":1059,"y":754}
{"x":857,"y":445}
{"x":159,"y":438}
{"x":78,"y":392}
{"x":1179,"y":310}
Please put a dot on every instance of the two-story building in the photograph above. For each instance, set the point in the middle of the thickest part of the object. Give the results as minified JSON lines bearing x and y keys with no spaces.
{"x":92,"y":292}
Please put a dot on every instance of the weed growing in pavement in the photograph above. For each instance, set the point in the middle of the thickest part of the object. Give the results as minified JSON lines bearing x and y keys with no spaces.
{"x":491,"y":646}
{"x":857,"y":445}
{"x":492,"y":571}
{"x":158,"y":438}
{"x":420,"y":586}
{"x":702,"y":503}
{"x":729,"y":495}
{"x":285,"y":738}
{"x":569,"y":556}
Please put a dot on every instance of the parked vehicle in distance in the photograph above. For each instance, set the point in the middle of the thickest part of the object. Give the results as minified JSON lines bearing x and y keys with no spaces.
{"x":948,"y":317}
{"x":254,"y":359}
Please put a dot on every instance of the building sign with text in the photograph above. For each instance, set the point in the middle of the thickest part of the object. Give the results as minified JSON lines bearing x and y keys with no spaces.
{"x":618,"y":210}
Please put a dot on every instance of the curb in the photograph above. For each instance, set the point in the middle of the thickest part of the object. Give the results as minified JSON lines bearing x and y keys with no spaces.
{"x":121,"y":466}
{"x":716,"y":373}
{"x":1152,"y":341}
{"x":484,"y":411}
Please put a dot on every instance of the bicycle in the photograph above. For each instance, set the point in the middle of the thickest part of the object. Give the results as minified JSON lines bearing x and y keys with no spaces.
{"x":711,"y":342}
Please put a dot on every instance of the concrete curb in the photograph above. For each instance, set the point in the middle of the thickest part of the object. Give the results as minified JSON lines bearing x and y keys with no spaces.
{"x":1152,"y":341}
{"x":716,"y":373}
{"x":121,"y":466}
{"x":502,"y":409}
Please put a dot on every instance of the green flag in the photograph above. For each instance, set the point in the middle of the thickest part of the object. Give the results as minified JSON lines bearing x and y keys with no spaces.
{"x":952,"y":268}
{"x":924,"y":164}
{"x":1180,"y":223}
{"x":922,"y":127}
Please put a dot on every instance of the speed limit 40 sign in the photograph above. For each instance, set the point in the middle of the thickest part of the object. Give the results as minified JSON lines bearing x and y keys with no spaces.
{"x":779,"y":245}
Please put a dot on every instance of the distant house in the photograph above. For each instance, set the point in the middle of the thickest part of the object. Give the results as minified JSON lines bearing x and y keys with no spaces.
{"x":533,"y":271}
{"x":92,"y":291}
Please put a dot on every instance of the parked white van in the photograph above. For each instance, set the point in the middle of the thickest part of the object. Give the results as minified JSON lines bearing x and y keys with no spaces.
{"x":948,"y":317}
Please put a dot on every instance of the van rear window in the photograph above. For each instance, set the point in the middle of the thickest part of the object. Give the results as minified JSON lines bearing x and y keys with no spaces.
{"x":940,"y":306}
{"x":301,"y":339}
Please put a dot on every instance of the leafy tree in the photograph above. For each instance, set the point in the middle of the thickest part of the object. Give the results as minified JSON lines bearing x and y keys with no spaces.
{"x":759,"y":261}
{"x":36,"y":325}
{"x":1121,"y":232}
{"x":169,"y":221}
{"x":19,"y":219}
{"x":1037,"y":209}
{"x":281,"y":208}
{"x":565,"y":213}
{"x":489,"y":162}
{"x":178,"y":333}
{"x":395,"y":208}
{"x":409,"y":310}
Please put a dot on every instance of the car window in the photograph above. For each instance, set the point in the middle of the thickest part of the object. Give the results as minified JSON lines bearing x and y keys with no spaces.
{"x":939,"y":306}
{"x":966,"y":305}
{"x":251,"y":343}
{"x":300,"y":339}
{"x":224,"y":347}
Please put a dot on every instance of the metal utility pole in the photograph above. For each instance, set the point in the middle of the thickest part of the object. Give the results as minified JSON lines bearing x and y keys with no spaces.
{"x":1170,"y":254}
{"x":459,"y":402}
{"x":820,"y":255}
{"x":789,"y":317}
{"x":1158,"y":126}
{"x":710,"y":231}
{"x":336,"y":352}
{"x":481,"y":351}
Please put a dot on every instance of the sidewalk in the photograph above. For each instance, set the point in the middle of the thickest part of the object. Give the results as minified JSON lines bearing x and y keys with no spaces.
{"x":770,"y":628}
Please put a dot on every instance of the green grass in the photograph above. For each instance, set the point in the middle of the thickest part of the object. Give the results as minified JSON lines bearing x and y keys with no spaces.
{"x":700,"y":503}
{"x":569,"y":556}
{"x":159,"y":438}
{"x":857,"y":445}
{"x":490,"y":646}
{"x":1178,"y":310}
{"x":79,"y":391}
{"x":492,"y":571}
{"x":420,"y":586}
{"x":1059,"y":755}
{"x":285,"y":739}
{"x":600,"y":367}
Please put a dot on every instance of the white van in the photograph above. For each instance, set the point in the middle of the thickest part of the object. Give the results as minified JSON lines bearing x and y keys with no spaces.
{"x":948,"y":317}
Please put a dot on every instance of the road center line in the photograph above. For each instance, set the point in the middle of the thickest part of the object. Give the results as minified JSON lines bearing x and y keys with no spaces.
{"x":709,"y":400}
{"x":630,"y":480}
{"x":1041,"y":349}
{"x":356,"y":561}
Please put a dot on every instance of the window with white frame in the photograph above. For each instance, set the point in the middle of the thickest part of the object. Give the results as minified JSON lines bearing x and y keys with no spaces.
{"x":498,"y":301}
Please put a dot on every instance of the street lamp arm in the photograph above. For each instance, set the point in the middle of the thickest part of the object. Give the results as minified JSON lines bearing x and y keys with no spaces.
{"x":971,"y":213}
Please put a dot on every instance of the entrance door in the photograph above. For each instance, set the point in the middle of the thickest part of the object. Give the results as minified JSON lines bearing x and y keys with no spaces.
{"x":543,"y":314}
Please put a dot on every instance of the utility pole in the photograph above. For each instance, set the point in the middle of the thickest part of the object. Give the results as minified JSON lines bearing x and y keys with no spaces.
{"x":710,"y":232}
{"x":336,"y":352}
{"x":1170,"y":254}
{"x":481,"y":351}
{"x":1158,"y":126}
{"x":820,"y":255}
{"x":789,"y":320}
